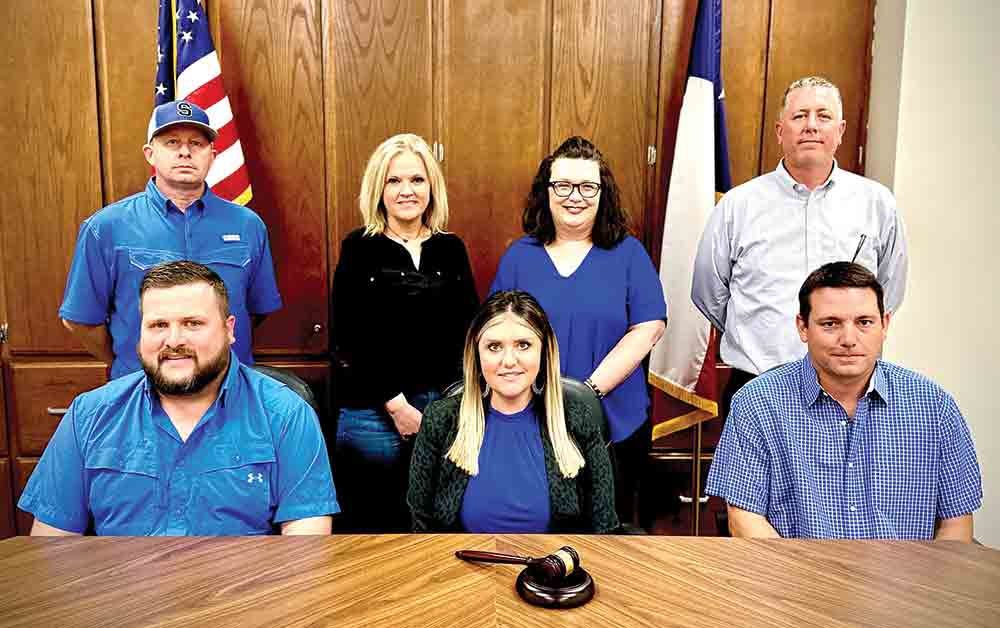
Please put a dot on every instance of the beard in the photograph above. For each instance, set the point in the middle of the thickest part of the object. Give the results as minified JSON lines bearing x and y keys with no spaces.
{"x":202,"y":376}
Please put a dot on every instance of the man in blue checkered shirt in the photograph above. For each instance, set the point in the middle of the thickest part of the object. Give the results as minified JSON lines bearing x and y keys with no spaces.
{"x":841,"y":444}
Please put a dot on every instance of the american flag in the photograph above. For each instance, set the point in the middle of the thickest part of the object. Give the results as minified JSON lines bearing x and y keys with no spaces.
{"x":187,"y":68}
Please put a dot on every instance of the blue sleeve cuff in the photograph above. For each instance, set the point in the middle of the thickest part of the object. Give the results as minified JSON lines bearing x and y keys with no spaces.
{"x":304,"y":511}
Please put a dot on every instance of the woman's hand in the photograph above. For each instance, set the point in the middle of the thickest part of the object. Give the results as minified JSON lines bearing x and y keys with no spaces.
{"x":405,"y":416}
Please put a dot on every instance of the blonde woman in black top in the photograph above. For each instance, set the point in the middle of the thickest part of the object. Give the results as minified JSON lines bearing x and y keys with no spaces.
{"x":403,"y":295}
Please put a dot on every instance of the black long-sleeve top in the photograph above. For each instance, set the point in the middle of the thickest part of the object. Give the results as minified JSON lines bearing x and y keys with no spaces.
{"x":396,"y":328}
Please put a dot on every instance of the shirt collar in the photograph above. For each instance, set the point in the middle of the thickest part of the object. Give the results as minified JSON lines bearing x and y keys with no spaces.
{"x":793,"y":185}
{"x":162,"y":203}
{"x":811,"y":389}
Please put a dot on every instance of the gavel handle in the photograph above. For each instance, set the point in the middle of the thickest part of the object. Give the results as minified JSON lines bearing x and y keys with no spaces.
{"x":493,"y":557}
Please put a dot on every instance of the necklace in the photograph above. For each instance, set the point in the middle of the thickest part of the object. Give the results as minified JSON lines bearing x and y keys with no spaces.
{"x":405,"y":240}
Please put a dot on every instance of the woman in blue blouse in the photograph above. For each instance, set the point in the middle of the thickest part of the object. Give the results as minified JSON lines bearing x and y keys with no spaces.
{"x":599,"y":290}
{"x":510,"y":454}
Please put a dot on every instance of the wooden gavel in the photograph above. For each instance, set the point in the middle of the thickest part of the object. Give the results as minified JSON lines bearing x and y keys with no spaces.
{"x":555,"y":566}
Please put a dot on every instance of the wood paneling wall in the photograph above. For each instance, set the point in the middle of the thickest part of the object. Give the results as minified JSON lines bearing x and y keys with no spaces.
{"x":52,"y":173}
{"x":273,"y":71}
{"x":744,"y":64}
{"x":604,"y":86}
{"x":830,"y":39}
{"x":490,"y":164}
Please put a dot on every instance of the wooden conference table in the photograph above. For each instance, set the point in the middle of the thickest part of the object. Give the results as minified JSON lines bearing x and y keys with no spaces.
{"x":414,"y":580}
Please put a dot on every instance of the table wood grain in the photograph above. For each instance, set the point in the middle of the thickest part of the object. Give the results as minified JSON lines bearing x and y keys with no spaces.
{"x":414,"y":580}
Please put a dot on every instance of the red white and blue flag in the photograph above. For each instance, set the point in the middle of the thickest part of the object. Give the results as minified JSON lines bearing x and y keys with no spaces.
{"x":187,"y":68}
{"x":683,"y":363}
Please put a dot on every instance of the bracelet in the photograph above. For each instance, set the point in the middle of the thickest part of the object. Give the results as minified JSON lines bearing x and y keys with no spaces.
{"x":597,"y":391}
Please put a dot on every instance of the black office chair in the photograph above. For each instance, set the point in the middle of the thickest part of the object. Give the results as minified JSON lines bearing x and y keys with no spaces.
{"x":576,"y":390}
{"x":293,"y":381}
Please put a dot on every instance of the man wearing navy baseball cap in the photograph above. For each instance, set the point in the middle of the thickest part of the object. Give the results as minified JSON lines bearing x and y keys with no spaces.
{"x":176,"y":217}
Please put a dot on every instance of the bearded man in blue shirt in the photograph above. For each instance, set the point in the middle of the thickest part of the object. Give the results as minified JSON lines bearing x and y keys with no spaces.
{"x":194,"y":444}
{"x":177,"y":217}
{"x":841,"y":444}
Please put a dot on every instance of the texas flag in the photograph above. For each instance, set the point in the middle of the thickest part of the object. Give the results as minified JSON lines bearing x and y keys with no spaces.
{"x":683,"y":363}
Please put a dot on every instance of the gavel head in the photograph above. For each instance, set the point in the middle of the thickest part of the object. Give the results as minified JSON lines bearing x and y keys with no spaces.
{"x":558,"y":565}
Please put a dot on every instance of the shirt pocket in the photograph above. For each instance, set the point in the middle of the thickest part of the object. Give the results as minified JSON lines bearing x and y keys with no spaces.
{"x":232,"y":263}
{"x":234,"y":490}
{"x":135,"y":261}
{"x":124,"y":492}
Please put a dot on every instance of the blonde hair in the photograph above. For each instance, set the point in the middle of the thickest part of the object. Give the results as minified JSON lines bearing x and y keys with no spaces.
{"x":815,"y":82}
{"x":373,"y":184}
{"x":464,"y":452}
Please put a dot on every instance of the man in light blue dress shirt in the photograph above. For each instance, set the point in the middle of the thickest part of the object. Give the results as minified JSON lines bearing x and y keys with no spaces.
{"x":841,"y":444}
{"x":767,"y":235}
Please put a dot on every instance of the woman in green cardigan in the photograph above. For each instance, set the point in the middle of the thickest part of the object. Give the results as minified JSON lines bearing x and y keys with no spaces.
{"x":510,"y":454}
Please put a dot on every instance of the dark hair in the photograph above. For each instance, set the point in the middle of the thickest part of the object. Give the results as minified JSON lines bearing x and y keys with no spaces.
{"x":183,"y":273}
{"x":838,"y":275}
{"x":612,"y":223}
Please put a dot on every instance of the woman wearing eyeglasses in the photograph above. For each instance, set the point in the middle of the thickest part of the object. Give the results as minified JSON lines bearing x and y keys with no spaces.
{"x":599,"y":290}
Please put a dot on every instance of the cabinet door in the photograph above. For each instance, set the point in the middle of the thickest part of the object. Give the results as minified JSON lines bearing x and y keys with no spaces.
{"x":494,"y":106}
{"x":52,"y":172}
{"x":829,"y":39}
{"x":125,"y":97}
{"x":378,"y":82}
{"x":604,"y":62}
{"x":744,"y":55}
{"x":272,"y":66}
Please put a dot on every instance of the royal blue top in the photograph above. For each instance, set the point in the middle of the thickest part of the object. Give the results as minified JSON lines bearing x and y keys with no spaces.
{"x":590,"y":311}
{"x":789,"y":452}
{"x":511,"y":491}
{"x":255,"y":459}
{"x":118,"y":244}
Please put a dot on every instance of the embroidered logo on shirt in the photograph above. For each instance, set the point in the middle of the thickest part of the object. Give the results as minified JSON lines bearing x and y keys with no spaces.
{"x":230,"y":237}
{"x":251,"y":477}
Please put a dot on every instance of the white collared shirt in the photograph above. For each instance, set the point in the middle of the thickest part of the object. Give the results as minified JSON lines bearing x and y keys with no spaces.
{"x":766,"y":236}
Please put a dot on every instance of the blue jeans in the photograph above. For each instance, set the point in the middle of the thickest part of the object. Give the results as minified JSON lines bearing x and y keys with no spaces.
{"x":372,"y":468}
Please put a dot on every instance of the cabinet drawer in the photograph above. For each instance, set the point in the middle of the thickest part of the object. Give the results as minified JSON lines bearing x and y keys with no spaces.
{"x":39,"y":393}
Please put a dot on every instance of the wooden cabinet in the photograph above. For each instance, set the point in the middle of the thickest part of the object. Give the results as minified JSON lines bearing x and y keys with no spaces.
{"x":315,"y":86}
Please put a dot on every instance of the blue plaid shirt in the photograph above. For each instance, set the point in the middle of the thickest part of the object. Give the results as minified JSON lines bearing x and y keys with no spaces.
{"x":790,"y":452}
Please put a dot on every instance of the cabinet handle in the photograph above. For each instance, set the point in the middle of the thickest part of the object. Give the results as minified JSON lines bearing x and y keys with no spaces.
{"x":57,"y":411}
{"x":684,"y":499}
{"x":317,"y":328}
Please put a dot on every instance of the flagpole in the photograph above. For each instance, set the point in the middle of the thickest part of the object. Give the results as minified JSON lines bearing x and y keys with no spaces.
{"x":173,"y":40}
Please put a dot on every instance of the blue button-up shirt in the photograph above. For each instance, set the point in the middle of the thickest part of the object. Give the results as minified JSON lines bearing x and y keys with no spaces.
{"x":118,"y":244}
{"x":790,"y":452}
{"x":255,"y":459}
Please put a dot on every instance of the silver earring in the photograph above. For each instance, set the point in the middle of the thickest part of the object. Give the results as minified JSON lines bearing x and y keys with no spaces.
{"x":537,"y":388}
{"x":486,"y":391}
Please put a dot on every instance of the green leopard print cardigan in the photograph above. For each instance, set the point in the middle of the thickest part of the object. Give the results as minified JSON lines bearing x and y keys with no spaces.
{"x":585,"y":503}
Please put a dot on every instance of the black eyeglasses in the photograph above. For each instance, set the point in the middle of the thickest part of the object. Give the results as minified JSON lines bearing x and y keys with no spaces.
{"x":565,"y":188}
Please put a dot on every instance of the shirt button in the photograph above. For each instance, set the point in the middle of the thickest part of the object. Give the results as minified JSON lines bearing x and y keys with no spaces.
{"x":854,"y":508}
{"x":843,"y":424}
{"x":850,"y":465}
{"x":236,"y":458}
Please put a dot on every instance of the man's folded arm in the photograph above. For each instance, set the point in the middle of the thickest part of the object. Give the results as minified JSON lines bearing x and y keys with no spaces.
{"x":749,"y":525}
